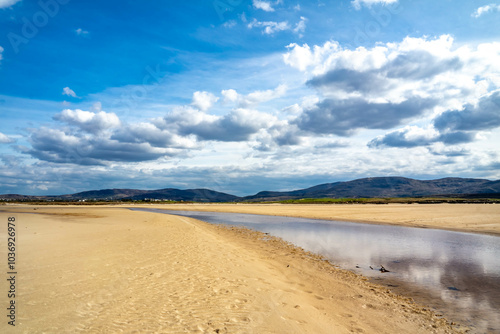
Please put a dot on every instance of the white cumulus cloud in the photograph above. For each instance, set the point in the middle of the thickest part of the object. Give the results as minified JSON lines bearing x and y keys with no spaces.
{"x":264,"y":5}
{"x":393,"y":84}
{"x":485,"y":9}
{"x":395,"y":71}
{"x":203,"y":100}
{"x":5,"y":139}
{"x":149,"y":133}
{"x":56,"y":145}
{"x":237,"y":125}
{"x":93,"y":122}
{"x":409,"y":136}
{"x":230,"y":95}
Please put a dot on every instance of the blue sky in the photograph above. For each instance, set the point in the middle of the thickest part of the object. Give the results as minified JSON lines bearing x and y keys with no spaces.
{"x":243,"y":96}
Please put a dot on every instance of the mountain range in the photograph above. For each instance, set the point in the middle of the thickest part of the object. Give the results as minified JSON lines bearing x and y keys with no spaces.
{"x":383,"y":187}
{"x":379,"y":187}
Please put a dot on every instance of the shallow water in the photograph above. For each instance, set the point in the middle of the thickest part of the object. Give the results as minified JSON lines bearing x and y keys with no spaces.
{"x":457,"y":274}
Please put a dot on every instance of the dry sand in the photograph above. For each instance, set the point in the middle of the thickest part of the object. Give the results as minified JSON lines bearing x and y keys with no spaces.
{"x":479,"y":218}
{"x":111,"y":270}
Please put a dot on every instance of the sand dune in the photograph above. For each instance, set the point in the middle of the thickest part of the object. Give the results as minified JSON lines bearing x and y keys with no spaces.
{"x":110,"y":270}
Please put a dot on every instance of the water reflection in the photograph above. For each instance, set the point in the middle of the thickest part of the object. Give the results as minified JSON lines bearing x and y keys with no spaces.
{"x":456,"y":273}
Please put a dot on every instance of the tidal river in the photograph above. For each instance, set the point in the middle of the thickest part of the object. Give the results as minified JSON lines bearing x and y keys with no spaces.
{"x":456,"y":274}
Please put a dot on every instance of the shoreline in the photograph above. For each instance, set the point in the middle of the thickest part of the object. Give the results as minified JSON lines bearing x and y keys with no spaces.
{"x":103,"y":263}
{"x":468,"y":218}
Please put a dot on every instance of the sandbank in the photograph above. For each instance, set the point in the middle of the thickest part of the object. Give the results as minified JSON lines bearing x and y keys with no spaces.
{"x":477,"y":218}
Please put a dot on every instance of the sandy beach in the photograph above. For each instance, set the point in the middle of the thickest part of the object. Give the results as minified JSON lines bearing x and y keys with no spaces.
{"x":110,"y":270}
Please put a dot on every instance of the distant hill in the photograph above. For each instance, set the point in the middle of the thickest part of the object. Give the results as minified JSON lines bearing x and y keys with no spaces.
{"x":169,"y":194}
{"x":109,"y":194}
{"x":386,"y":187}
{"x":380,"y":187}
{"x":194,"y":195}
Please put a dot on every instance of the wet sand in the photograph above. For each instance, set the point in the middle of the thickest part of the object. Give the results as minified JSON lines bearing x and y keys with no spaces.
{"x":110,"y":270}
{"x":478,"y":218}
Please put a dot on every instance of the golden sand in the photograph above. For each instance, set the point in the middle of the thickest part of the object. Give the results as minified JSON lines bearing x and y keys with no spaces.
{"x":112,"y":270}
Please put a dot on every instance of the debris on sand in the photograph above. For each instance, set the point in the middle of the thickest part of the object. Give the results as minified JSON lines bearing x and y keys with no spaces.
{"x":383,"y":270}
